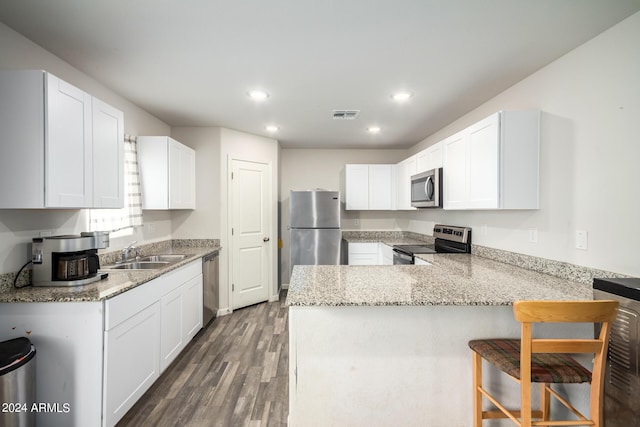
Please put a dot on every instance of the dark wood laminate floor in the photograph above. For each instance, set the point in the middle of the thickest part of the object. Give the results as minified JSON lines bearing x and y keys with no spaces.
{"x":233,"y":373}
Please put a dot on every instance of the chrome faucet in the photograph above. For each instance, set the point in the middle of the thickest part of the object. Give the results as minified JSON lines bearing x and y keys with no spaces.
{"x":126,"y":252}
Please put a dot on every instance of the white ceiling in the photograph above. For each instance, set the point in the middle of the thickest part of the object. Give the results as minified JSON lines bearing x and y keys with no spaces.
{"x":190,"y":63}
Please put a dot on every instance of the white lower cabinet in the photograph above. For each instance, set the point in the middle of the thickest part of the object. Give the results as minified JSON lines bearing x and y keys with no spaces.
{"x":370,"y":253}
{"x":146,"y":328}
{"x":192,"y":314}
{"x":132,"y":362}
{"x":181,"y":319}
{"x":363,"y":253}
{"x":100,"y":357}
{"x":385,"y":254}
{"x":171,"y":340}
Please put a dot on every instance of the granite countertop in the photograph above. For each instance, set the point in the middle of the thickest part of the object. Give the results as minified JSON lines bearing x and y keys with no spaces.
{"x":452,"y":279}
{"x":119,"y":281}
{"x":387,"y":237}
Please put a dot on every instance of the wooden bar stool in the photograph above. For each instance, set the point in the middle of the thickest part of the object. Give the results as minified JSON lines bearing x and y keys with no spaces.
{"x":546,"y":361}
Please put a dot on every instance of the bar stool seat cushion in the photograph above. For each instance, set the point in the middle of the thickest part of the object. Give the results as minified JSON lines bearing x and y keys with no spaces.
{"x":545,"y":367}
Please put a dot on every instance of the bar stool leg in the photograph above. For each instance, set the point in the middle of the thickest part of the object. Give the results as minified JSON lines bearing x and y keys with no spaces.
{"x":477,"y":395}
{"x":545,"y":401}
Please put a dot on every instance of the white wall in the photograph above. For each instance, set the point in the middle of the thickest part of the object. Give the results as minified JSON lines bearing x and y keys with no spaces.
{"x":18,"y":227}
{"x":305,"y":169}
{"x":590,"y":153}
{"x":204,"y":222}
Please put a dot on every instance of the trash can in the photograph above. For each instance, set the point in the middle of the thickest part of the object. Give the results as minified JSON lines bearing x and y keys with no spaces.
{"x":17,"y":383}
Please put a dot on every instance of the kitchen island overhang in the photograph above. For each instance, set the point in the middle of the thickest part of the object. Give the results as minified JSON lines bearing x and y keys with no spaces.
{"x":387,"y":345}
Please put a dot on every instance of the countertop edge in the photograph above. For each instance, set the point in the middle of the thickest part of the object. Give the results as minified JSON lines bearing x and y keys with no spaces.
{"x":121,"y":281}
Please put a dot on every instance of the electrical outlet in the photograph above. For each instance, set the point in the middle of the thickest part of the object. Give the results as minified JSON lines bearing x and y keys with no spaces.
{"x":582,"y":240}
{"x":356,"y":222}
{"x":483,"y":230}
{"x":533,"y":235}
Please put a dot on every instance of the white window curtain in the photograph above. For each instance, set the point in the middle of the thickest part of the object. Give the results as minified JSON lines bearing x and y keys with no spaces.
{"x":131,"y":214}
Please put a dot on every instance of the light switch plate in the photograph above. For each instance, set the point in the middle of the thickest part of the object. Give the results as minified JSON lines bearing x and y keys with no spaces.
{"x":533,"y":235}
{"x":582,"y":240}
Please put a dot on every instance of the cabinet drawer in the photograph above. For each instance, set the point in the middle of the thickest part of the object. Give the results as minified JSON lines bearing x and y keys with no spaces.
{"x":363,"y":248}
{"x":123,"y":306}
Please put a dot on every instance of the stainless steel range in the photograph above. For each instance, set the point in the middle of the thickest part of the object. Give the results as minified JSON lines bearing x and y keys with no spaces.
{"x":449,"y":239}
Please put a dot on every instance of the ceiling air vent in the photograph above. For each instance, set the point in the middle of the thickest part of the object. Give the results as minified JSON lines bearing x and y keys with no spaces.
{"x":345,"y":114}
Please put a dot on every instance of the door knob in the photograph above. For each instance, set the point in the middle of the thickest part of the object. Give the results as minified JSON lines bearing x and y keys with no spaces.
{"x":266,"y":239}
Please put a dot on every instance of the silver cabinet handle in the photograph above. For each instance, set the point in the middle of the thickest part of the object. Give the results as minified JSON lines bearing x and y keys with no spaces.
{"x":266,"y":239}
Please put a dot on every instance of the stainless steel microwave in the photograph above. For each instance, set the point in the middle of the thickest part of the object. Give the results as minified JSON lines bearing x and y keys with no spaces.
{"x":426,"y":189}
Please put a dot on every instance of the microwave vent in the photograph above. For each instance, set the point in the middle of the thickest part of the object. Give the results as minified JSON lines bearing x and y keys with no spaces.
{"x":345,"y":114}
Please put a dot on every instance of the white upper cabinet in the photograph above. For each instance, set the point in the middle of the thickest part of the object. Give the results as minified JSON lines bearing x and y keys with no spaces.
{"x":429,"y":158}
{"x":380,"y":187}
{"x":108,"y":158}
{"x":493,"y":164}
{"x":369,"y":187}
{"x":64,"y":147}
{"x":167,"y":173}
{"x":404,"y":170}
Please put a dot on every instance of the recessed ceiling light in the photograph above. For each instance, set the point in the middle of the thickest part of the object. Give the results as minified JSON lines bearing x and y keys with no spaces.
{"x":272,"y":128}
{"x":373,"y":129}
{"x":401,"y":96}
{"x":257,"y":94}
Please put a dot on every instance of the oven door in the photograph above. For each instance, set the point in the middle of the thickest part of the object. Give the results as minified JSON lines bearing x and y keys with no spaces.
{"x":401,"y":258}
{"x":426,"y":189}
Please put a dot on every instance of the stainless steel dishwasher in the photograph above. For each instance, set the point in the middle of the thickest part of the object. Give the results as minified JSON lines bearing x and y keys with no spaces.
{"x":210,"y":289}
{"x":622,"y":377}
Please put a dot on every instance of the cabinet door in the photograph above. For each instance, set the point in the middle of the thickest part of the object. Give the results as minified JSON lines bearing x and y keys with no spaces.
{"x":192,"y":308}
{"x":483,"y":148}
{"x":188,"y":177}
{"x":68,"y":148}
{"x":429,"y":158}
{"x":108,"y":156}
{"x":455,"y":171}
{"x":181,"y":176}
{"x":171,"y":338}
{"x":356,"y":187}
{"x":380,"y":187}
{"x":132,"y":361}
{"x":385,"y":254}
{"x":363,"y":254}
{"x":175,"y":179}
{"x":153,"y":160}
{"x":406,"y":169}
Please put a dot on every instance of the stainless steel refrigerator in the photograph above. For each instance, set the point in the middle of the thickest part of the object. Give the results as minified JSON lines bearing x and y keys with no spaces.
{"x":315,"y":227}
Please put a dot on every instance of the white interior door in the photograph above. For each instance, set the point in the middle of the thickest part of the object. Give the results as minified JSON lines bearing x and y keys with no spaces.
{"x":251,"y":232}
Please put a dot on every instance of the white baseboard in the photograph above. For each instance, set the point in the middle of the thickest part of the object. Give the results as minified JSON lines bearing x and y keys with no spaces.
{"x":223,"y":312}
{"x":285,"y":286}
{"x":274,"y":298}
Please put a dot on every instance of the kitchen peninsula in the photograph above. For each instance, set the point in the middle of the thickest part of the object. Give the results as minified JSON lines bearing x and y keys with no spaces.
{"x":387,"y":345}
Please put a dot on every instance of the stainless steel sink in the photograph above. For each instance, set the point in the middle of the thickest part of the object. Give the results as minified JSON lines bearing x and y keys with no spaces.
{"x":138,"y":265}
{"x":162,"y":258}
{"x":149,"y":262}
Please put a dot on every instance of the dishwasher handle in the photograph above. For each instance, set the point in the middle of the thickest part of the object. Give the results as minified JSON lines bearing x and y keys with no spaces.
{"x":210,"y":257}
